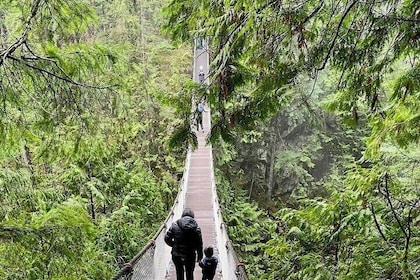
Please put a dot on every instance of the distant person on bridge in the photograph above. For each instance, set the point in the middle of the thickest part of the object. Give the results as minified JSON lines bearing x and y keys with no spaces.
{"x":199,"y":115}
{"x":201,"y":43}
{"x":184,"y":236}
{"x":201,"y":74}
{"x":208,"y":264}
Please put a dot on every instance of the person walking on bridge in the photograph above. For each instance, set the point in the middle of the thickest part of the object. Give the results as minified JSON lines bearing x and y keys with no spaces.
{"x":208,"y":264}
{"x":201,"y":74}
{"x":184,"y":236}
{"x":199,"y":115}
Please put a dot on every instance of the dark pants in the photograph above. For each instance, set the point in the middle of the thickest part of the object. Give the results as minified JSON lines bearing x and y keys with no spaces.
{"x":184,"y":264}
{"x":208,"y":276}
{"x":200,"y":121}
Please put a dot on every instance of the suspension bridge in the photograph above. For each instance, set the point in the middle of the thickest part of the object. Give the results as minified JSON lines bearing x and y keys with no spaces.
{"x":198,"y":192}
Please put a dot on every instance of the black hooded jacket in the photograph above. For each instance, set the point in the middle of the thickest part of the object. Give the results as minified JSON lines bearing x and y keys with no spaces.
{"x":184,"y":236}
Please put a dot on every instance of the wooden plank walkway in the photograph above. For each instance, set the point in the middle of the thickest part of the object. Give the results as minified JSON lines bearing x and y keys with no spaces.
{"x":199,"y":196}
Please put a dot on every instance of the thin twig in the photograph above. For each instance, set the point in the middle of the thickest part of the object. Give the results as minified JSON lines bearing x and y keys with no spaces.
{"x":378,"y":226}
{"x":65,"y":78}
{"x":336,"y":35}
{"x":394,"y":213}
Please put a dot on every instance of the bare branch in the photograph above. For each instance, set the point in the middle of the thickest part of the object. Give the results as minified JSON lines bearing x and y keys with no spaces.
{"x":394,"y":213}
{"x":336,"y":35}
{"x":378,"y":226}
{"x":313,"y":13}
{"x":22,"y":39}
{"x":64,"y":78}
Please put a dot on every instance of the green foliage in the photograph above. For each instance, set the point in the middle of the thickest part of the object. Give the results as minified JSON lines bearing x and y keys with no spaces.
{"x":56,"y":243}
{"x":247,"y":225}
{"x":361,"y":59}
{"x":364,"y":229}
{"x":400,"y":122}
{"x":86,"y":173}
{"x":183,"y":135}
{"x":256,"y":59}
{"x":339,"y":238}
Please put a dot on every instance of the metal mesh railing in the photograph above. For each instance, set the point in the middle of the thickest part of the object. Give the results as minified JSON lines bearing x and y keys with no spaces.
{"x":229,"y":262}
{"x":153,"y":261}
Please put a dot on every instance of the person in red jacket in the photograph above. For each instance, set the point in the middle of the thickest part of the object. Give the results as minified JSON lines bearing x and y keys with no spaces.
{"x":184,"y":236}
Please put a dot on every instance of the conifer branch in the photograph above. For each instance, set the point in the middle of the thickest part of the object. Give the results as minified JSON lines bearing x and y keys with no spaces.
{"x":337,"y":31}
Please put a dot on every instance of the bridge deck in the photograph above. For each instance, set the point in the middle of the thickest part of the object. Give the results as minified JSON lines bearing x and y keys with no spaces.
{"x":197,"y":191}
{"x":199,"y":195}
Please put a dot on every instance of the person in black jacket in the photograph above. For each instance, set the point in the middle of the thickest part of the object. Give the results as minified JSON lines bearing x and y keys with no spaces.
{"x":208,"y":264}
{"x":184,"y":236}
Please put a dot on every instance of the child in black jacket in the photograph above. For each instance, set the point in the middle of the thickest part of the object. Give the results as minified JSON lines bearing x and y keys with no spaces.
{"x":208,"y":264}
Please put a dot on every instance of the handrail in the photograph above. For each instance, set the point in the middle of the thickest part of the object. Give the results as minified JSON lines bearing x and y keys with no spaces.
{"x":128,"y":267}
{"x":232,"y":268}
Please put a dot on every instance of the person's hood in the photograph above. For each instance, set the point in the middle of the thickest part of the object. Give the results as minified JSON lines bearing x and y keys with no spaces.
{"x":187,"y":223}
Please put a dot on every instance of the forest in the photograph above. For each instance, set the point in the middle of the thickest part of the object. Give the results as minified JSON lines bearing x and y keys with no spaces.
{"x":315,"y":132}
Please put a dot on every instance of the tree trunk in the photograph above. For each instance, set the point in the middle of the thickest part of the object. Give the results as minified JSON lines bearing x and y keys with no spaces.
{"x":92,"y":202}
{"x":271,"y":159}
{"x":27,"y":159}
{"x":252,"y":185}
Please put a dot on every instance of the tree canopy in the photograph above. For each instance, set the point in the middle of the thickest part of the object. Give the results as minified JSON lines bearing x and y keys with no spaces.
{"x":260,"y":49}
{"x":86,"y":176}
{"x":320,"y":100}
{"x":315,"y":112}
